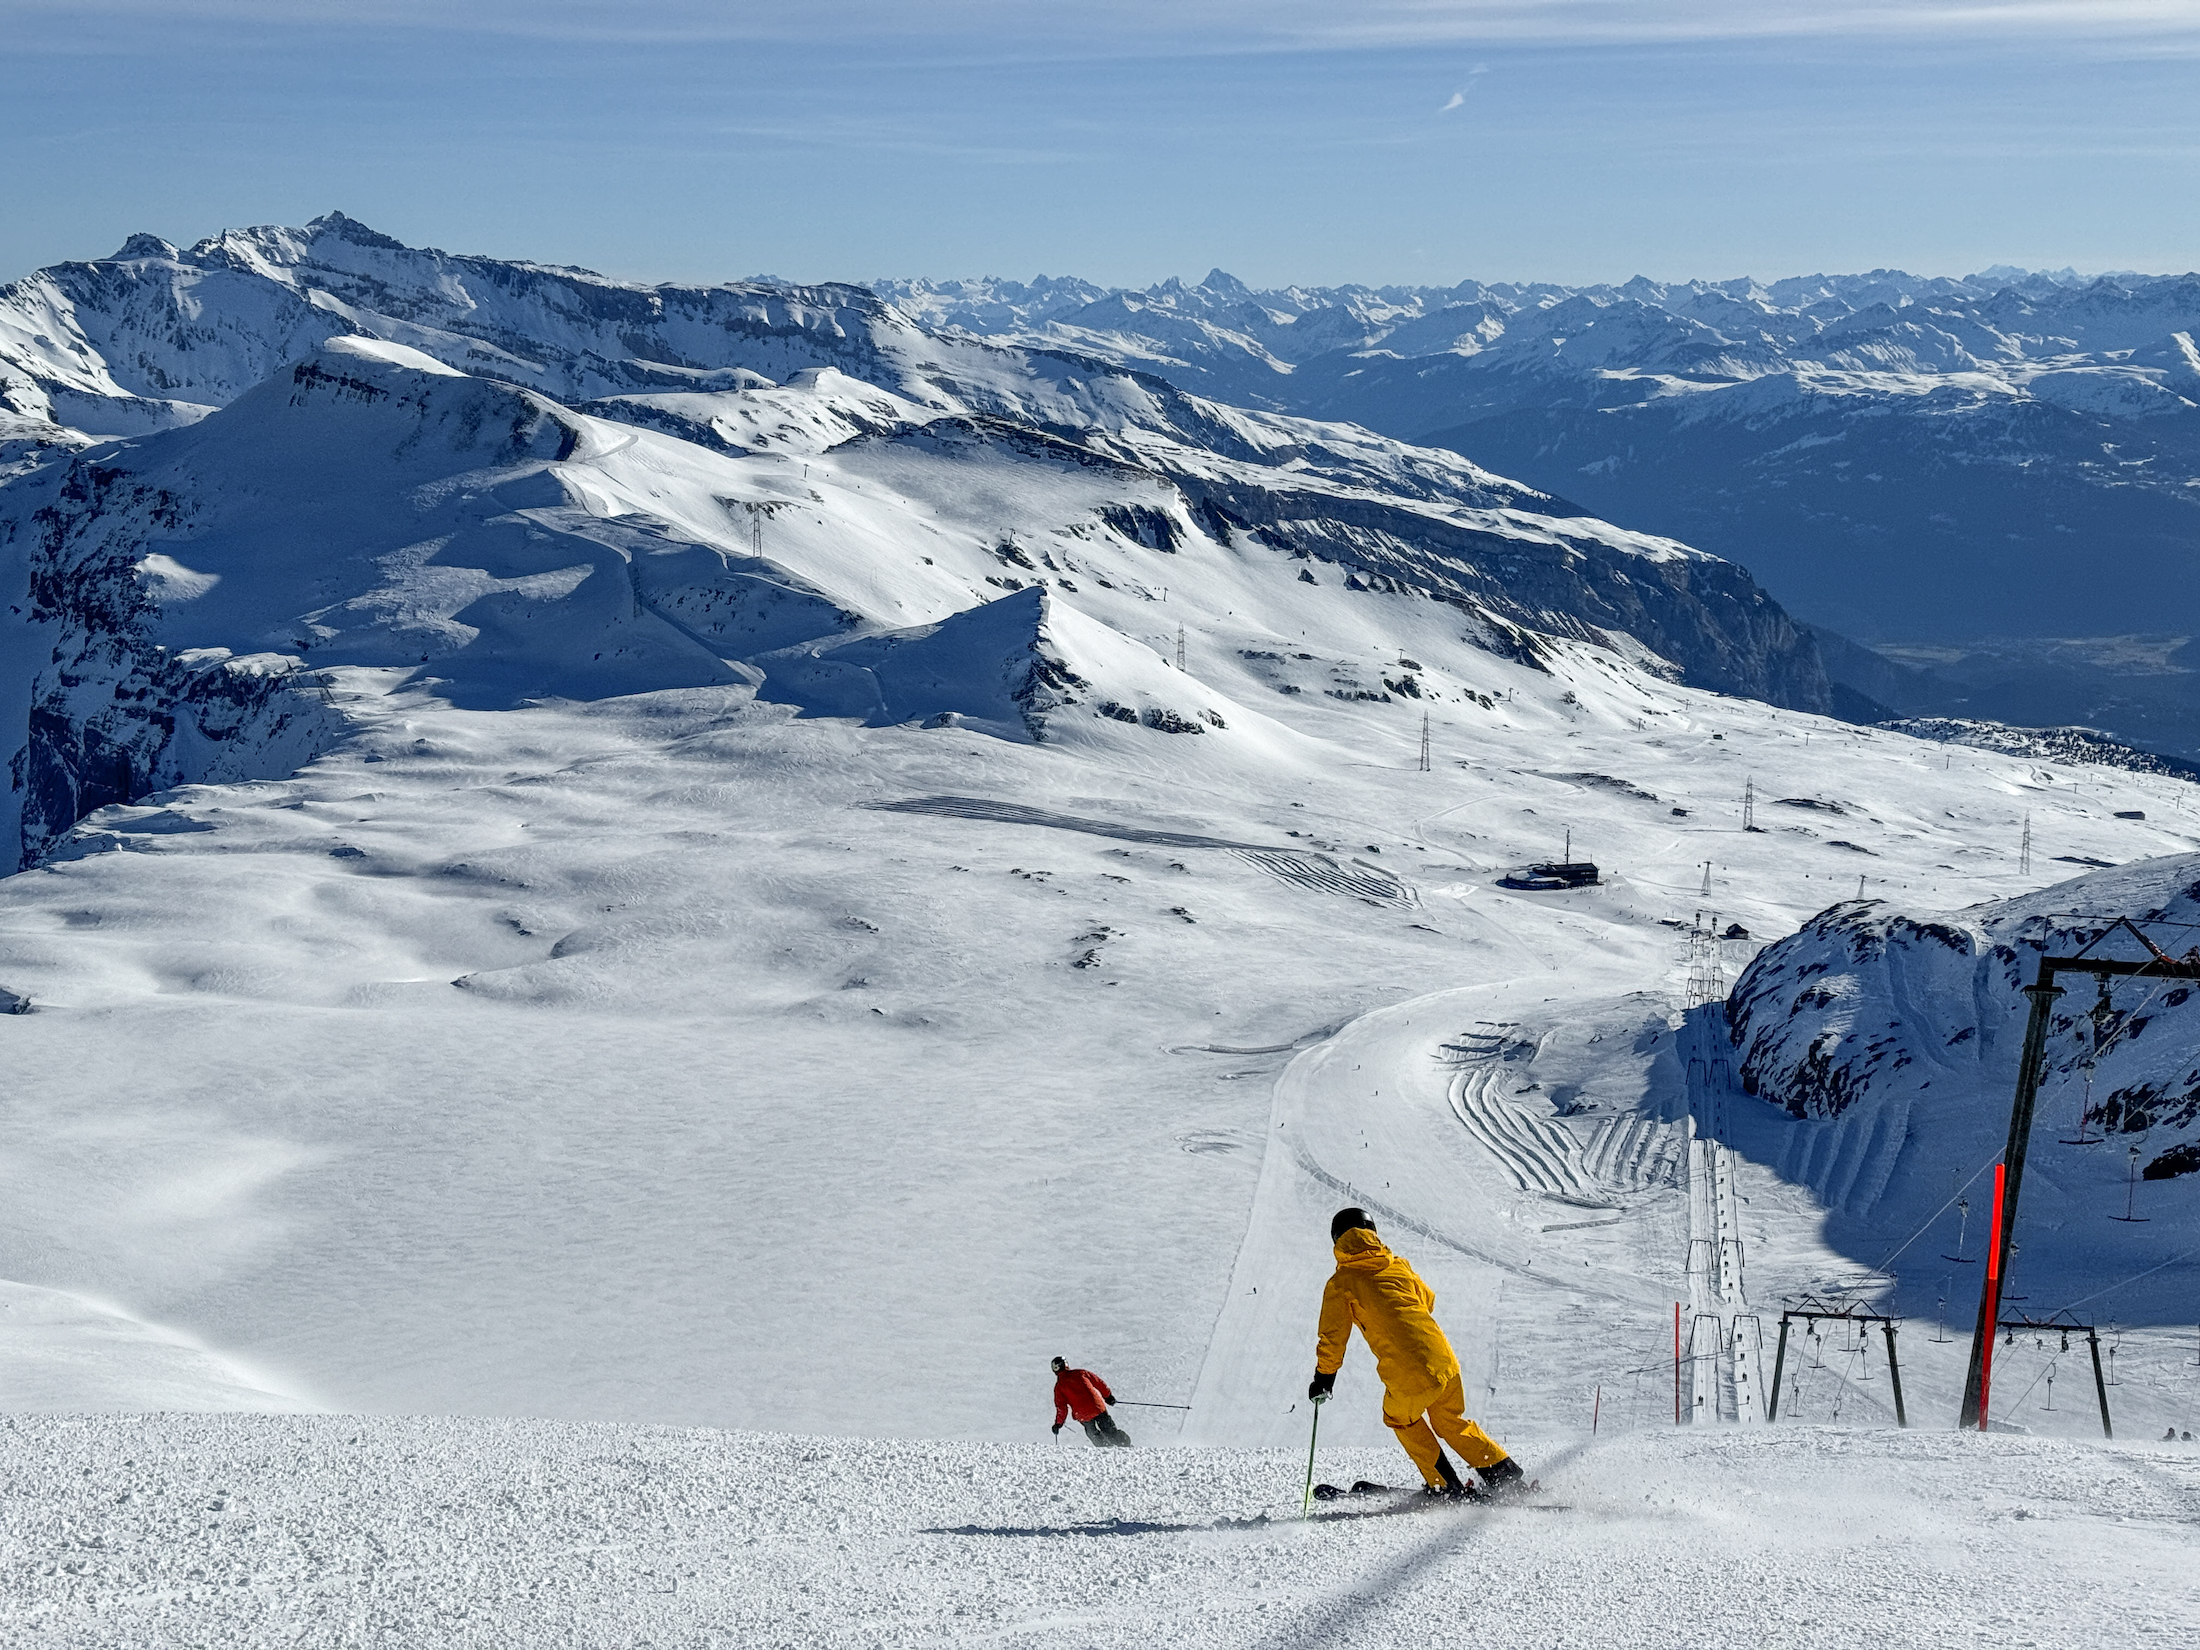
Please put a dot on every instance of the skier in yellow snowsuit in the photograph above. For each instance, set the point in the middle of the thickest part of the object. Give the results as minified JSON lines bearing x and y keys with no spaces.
{"x":1423,"y":1399}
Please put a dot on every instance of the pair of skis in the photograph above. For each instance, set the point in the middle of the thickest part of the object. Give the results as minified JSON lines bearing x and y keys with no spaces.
{"x":1415,"y":1500}
{"x":1329,"y":1492}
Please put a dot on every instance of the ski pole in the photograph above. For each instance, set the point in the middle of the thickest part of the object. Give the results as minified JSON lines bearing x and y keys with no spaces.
{"x":1133,"y":1403}
{"x":1306,"y":1507}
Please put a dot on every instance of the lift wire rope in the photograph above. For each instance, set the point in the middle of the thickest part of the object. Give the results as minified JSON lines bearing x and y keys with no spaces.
{"x":1816,"y":1363}
{"x":2134,"y":1278}
{"x":1804,"y":1366}
{"x":2125,"y":1023}
{"x":2095,"y":916}
{"x":1895,"y":1254}
{"x":1841,"y":1383}
{"x":1659,"y":1363}
{"x":2047,"y":1369}
{"x":1853,"y":1373}
{"x":2098,"y":1015}
{"x":2114,"y":1037}
{"x":1849,"y":1378}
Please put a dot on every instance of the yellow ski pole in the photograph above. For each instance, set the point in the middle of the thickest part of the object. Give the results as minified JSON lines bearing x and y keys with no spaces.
{"x":1306,"y":1507}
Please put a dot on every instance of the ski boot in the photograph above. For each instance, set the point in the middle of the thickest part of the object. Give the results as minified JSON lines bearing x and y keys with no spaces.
{"x":1502,"y":1480}
{"x":1453,"y":1488}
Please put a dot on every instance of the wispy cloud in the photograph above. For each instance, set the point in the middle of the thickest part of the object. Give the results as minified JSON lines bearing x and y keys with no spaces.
{"x":1562,"y":22}
{"x":1130,"y":26}
{"x":1460,"y":96}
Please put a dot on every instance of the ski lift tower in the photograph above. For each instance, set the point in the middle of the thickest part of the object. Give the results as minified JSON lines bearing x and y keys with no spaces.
{"x":1814,"y":1310}
{"x":2009,"y":1172}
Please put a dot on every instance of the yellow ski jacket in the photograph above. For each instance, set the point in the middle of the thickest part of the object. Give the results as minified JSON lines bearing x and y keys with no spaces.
{"x":1393,"y":1308}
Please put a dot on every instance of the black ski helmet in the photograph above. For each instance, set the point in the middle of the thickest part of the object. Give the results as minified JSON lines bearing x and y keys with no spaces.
{"x":1344,"y":1220}
{"x":1061,"y":1363}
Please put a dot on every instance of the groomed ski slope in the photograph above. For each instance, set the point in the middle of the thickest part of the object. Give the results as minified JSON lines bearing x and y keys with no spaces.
{"x":628,"y":1061}
{"x":502,"y":1535}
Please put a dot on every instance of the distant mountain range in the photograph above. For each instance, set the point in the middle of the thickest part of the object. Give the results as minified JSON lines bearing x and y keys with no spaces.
{"x":527,"y":796}
{"x":1960,"y":465}
{"x":1952,"y":470}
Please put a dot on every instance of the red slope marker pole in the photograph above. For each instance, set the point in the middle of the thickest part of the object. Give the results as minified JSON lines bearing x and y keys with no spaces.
{"x":1676,"y":1363}
{"x":1993,"y":1301}
{"x":1598,"y":1411}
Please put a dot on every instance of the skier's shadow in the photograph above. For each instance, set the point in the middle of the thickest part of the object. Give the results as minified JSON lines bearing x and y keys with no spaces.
{"x":1322,"y":1623}
{"x":1428,"y":1554}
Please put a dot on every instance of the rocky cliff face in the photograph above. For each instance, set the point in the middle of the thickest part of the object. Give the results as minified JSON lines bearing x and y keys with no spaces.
{"x":1868,"y":1013}
{"x":1573,"y":577}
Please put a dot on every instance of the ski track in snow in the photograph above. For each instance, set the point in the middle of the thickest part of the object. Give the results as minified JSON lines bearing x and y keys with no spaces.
{"x":1316,"y":871}
{"x":1538,"y":1154}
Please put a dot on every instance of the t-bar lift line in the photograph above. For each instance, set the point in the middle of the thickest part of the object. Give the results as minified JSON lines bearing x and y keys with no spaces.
{"x":2009,"y":1178}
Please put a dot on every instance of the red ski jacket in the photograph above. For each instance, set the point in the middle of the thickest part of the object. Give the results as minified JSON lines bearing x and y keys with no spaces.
{"x":1081,"y":1393}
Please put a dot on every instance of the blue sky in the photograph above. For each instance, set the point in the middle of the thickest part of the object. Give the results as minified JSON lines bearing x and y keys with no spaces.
{"x":1390,"y":140}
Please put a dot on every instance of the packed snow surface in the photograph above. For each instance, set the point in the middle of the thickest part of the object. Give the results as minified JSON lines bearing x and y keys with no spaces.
{"x":510,"y":1535}
{"x":630,"y":1060}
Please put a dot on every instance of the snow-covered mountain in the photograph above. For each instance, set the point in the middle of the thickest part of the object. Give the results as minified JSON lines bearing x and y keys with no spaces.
{"x":731,"y":858}
{"x":1807,"y":1015}
{"x":1901,"y":458}
{"x":534,"y":482}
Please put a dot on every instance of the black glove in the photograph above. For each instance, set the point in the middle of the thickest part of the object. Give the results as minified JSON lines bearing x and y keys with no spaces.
{"x":1321,"y":1386}
{"x":1057,"y":1426}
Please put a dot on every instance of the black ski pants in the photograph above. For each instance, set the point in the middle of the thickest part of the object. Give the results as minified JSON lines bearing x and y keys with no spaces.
{"x":1105,"y":1434}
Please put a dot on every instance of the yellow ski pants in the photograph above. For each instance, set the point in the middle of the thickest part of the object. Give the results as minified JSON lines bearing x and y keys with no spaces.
{"x":1419,"y":1419}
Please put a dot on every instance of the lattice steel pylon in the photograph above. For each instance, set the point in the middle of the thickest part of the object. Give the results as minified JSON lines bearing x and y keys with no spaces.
{"x":1706,"y":968}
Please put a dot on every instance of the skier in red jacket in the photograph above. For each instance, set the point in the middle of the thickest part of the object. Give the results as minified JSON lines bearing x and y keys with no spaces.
{"x":1081,"y":1393}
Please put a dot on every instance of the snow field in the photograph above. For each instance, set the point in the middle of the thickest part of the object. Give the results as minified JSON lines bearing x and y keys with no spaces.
{"x":248,"y":1531}
{"x":734,"y":1043}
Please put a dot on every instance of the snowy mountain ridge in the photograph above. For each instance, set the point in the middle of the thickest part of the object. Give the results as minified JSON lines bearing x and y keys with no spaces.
{"x":1898,"y":457}
{"x":2011,"y":324}
{"x":636,"y":538}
